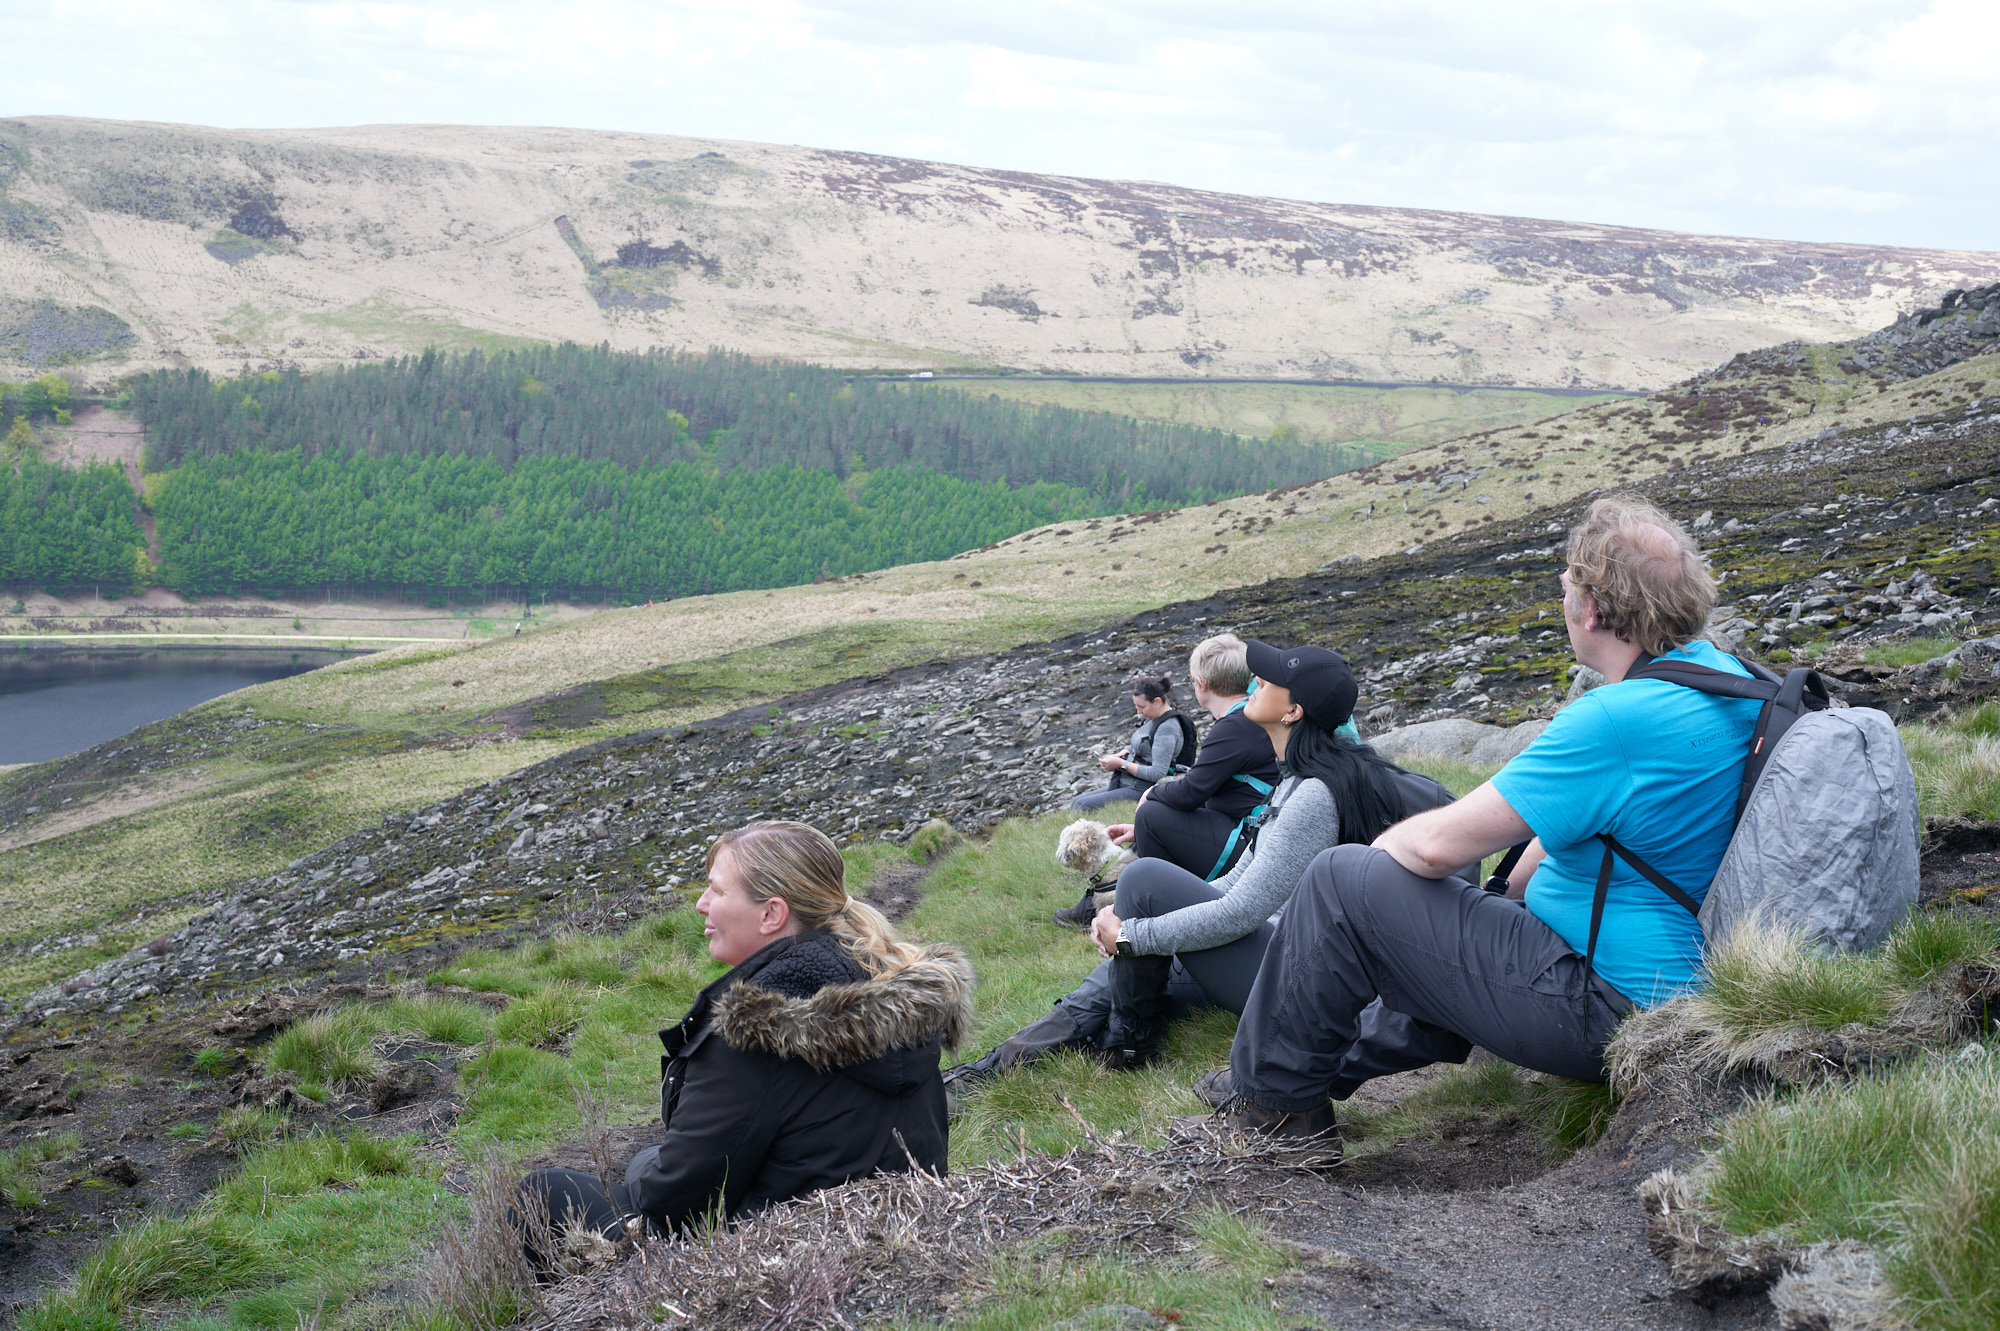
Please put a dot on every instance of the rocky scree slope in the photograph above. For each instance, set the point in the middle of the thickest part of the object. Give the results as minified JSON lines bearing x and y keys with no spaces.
{"x":148,"y":244}
{"x":1898,"y":539}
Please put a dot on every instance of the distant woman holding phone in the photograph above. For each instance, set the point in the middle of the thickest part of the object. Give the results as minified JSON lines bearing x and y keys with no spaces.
{"x":1163,"y":740}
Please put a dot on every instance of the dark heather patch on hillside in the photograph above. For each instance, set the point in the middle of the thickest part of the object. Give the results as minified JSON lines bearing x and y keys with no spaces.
{"x":49,"y":334}
{"x":1015,"y":300}
{"x":254,"y":217}
{"x":1469,"y":628}
{"x":640,"y":254}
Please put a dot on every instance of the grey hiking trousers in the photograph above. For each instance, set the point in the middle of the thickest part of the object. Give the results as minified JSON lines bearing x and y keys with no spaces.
{"x":1463,"y":965}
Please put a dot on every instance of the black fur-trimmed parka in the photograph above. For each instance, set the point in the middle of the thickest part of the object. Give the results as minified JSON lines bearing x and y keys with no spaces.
{"x":797,"y":1071}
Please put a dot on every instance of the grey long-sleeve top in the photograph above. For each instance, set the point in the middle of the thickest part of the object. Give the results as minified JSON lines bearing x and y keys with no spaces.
{"x":1304,"y":824}
{"x":1166,"y":747}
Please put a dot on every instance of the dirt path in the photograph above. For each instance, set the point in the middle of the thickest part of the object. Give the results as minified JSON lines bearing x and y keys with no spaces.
{"x":1554,"y":1253}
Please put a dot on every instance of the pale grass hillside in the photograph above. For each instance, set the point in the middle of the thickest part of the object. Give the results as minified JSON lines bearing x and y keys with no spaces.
{"x":145,"y":245}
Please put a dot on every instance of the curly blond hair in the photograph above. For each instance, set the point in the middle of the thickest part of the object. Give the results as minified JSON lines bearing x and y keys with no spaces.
{"x":1647,"y":577}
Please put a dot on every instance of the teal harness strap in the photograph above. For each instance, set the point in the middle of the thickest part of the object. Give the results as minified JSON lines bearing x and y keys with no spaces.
{"x":1229,"y":846}
{"x":1236,"y":832}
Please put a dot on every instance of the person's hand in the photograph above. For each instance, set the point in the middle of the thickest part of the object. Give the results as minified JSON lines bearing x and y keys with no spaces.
{"x":1120,"y":833}
{"x":1145,"y":794}
{"x":1104,"y":932}
{"x":1111,"y":762}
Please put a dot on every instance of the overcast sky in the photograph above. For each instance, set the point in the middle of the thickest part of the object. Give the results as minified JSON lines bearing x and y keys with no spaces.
{"x":1861,"y":120}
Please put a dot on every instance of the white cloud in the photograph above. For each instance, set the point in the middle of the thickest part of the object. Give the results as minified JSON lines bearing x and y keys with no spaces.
{"x":1866,"y":120}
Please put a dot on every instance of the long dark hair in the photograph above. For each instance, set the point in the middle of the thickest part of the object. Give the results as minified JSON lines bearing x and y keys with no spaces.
{"x":1153,"y":686}
{"x":1364,"y":794}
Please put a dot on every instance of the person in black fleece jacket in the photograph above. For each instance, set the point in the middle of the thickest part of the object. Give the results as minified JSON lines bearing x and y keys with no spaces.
{"x":814,"y":1061}
{"x":1189,"y":820}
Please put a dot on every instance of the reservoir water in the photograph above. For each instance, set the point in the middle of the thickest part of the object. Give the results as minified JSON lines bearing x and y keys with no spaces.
{"x":57,"y":702}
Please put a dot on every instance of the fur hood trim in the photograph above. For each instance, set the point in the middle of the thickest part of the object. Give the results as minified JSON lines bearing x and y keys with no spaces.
{"x":846,"y":1024}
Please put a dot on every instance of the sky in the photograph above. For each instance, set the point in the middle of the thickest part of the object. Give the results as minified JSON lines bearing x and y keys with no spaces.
{"x":1874,"y":121}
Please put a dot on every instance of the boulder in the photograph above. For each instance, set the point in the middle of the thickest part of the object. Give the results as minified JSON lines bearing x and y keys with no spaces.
{"x":1457,"y":738}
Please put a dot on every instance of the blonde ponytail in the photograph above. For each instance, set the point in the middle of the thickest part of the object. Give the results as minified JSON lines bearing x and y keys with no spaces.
{"x":800,"y":863}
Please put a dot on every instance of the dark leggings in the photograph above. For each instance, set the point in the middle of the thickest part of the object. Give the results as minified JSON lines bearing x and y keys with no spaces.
{"x":573,"y":1197}
{"x":1214,"y":977}
{"x":1194,"y":839}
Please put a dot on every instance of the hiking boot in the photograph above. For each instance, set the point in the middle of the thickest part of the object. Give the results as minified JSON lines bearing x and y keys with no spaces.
{"x":1308,"y":1139}
{"x":1137,"y":1032}
{"x":1081,"y":914}
{"x":1215,"y":1088}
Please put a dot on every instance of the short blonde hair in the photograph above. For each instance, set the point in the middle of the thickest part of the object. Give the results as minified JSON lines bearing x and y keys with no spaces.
{"x":1651,"y":586}
{"x":1222,"y":663}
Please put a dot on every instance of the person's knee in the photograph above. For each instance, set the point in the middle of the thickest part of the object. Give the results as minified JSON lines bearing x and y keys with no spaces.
{"x":1349,"y":875}
{"x":1137,"y":883}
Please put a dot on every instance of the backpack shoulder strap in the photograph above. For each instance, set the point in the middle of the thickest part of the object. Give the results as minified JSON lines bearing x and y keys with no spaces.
{"x":1785,"y":700}
{"x":1762,"y":684}
{"x":1612,"y":846}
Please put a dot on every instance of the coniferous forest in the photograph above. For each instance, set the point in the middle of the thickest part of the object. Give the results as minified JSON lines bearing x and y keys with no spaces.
{"x":593,"y":475}
{"x":63,"y":529}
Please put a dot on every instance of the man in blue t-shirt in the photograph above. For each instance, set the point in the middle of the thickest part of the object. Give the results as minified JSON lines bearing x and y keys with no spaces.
{"x":1651,"y":764}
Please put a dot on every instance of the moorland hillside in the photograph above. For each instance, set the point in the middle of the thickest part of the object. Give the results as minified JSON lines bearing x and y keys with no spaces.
{"x":281,"y":972}
{"x":141,"y":245}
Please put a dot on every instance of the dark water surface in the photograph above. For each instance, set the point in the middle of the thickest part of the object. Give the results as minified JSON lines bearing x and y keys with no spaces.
{"x":57,"y":702}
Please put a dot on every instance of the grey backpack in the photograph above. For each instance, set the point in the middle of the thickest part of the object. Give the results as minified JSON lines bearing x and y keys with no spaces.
{"x":1826,"y":822}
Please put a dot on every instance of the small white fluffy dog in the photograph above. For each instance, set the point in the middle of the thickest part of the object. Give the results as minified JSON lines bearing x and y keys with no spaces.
{"x":1084,"y":847}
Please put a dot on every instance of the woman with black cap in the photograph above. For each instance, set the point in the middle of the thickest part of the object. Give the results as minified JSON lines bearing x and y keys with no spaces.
{"x":1172,"y":941}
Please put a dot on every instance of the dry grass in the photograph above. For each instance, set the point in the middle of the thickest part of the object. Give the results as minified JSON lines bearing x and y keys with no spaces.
{"x":917,"y":1246}
{"x":480,"y":1279}
{"x":1395,"y":419}
{"x":792,"y":218}
{"x":1776,"y":1008}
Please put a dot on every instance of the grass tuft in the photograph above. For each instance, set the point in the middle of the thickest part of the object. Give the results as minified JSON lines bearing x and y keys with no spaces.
{"x":248,"y":1126}
{"x":193,"y":1257}
{"x":307,"y":1164}
{"x":1238,"y":1245}
{"x":1760,"y":981}
{"x":1570,"y":1114}
{"x":1930,"y":942}
{"x":1909,"y":651}
{"x":444,"y":1020}
{"x":327,"y":1047}
{"x":21,"y":1167}
{"x":1908,"y":1161}
{"x":1949,"y":1221}
{"x":542,"y":1020}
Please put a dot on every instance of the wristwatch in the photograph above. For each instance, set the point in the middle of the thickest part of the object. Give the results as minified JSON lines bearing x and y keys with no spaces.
{"x":1123,"y":947}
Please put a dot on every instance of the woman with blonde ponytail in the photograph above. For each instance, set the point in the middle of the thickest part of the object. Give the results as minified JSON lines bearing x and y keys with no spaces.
{"x":812,"y":1062}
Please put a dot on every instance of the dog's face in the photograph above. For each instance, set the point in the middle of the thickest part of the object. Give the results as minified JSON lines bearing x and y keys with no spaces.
{"x":1082,"y":846}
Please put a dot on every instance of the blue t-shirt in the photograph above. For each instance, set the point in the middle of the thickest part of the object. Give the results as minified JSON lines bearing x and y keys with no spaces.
{"x":1659,"y":767}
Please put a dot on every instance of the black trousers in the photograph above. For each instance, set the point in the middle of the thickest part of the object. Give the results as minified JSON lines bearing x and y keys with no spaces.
{"x":573,"y":1197}
{"x":1191,"y":838}
{"x":1457,"y":965}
